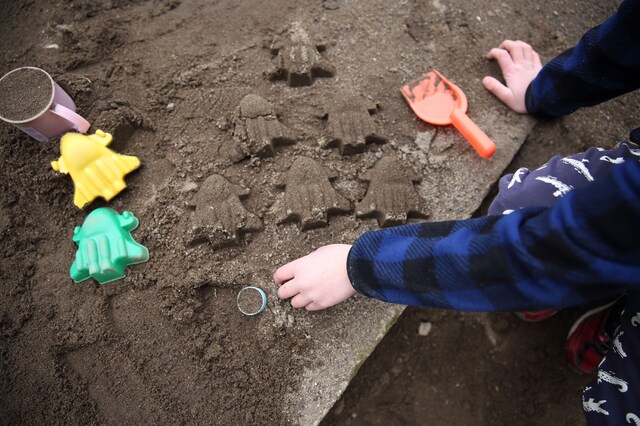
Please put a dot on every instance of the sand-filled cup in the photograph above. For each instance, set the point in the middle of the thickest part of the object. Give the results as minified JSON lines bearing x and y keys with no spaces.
{"x":34,"y":103}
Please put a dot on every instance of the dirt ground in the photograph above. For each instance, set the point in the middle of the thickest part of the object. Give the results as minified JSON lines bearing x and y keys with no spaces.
{"x":169,"y":79}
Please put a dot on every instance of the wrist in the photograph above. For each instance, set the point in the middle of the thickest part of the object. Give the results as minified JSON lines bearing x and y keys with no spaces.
{"x":528,"y":101}
{"x":359,"y":269}
{"x":350,"y":271}
{"x":531,"y":104}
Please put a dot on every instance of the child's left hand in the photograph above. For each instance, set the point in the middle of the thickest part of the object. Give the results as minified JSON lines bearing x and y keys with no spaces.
{"x":520,"y":65}
{"x":318,"y":280}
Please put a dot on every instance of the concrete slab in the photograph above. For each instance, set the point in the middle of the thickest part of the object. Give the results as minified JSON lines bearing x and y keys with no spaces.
{"x":456,"y":181}
{"x":343,"y":337}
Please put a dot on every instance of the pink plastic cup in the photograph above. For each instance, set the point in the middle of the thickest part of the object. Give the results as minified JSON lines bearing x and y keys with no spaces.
{"x":55,"y":118}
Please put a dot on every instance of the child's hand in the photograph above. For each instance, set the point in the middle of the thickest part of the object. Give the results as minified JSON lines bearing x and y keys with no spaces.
{"x":318,"y":280}
{"x":520,"y":64}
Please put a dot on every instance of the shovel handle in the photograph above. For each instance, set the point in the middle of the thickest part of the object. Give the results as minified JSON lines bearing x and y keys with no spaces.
{"x":472,"y":133}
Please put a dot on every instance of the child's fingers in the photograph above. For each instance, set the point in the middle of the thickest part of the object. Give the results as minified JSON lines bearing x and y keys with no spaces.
{"x":529,"y":53}
{"x":515,"y":49}
{"x":285,"y":272}
{"x":536,"y":59}
{"x":498,"y":89}
{"x":502,"y":56}
{"x":300,"y":301}
{"x":288,"y":290}
{"x":314,"y":306}
{"x":505,"y":44}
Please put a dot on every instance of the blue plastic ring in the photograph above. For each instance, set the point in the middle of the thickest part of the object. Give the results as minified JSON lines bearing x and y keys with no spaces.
{"x":262,"y":294}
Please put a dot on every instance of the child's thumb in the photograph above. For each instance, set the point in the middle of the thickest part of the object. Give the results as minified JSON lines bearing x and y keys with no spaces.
{"x":500,"y":91}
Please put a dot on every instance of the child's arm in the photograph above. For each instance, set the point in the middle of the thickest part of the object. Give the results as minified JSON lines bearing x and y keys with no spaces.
{"x":582,"y":249}
{"x":604,"y":64}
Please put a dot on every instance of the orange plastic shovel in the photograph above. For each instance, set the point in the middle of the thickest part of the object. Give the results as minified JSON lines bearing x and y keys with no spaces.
{"x":442,"y":102}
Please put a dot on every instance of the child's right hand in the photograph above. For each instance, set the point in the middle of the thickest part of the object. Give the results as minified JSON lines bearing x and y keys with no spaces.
{"x":318,"y":280}
{"x":519,"y":64}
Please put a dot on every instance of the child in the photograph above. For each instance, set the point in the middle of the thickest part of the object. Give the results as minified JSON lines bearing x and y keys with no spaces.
{"x":570,"y":235}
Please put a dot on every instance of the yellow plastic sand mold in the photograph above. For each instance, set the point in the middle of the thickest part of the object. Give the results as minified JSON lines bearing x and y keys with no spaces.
{"x":96,"y":170}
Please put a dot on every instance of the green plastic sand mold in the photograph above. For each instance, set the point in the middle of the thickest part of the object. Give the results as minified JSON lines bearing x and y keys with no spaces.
{"x":105,"y":246}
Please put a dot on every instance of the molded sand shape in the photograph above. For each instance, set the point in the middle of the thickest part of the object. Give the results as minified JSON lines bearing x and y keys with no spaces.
{"x":220,"y":217}
{"x":96,"y":171}
{"x":298,"y":59}
{"x":349,"y":123}
{"x":391,"y":197}
{"x":105,"y":246}
{"x":257,"y":127}
{"x":309,"y":197}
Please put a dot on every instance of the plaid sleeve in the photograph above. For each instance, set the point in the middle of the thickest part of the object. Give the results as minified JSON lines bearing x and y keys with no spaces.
{"x":604,"y":64}
{"x":584,"y":248}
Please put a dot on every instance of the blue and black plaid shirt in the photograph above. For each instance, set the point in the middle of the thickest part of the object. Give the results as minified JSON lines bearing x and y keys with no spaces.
{"x":583,"y":249}
{"x":604,"y":64}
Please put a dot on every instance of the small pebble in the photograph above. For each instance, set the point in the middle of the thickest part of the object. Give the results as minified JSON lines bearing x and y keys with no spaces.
{"x":501,"y":325}
{"x":530,"y":410}
{"x":188,"y":187}
{"x":424,"y":329}
{"x":331,"y":4}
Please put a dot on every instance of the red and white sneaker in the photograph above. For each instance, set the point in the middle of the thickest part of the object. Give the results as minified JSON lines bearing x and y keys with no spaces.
{"x":535,"y":316}
{"x":590,"y":337}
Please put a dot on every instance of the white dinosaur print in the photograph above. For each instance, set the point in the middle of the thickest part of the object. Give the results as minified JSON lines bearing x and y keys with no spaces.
{"x":605,"y":376}
{"x":635,"y":321}
{"x":632,"y":417}
{"x":592,"y":405}
{"x":516,"y":177}
{"x":608,"y":159}
{"x":544,"y":166}
{"x":579,"y":167}
{"x":633,"y":151}
{"x":617,"y":346}
{"x":562,"y":188}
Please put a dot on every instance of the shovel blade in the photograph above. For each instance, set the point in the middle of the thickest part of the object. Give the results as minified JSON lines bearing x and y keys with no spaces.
{"x":433,"y":98}
{"x":436,"y":100}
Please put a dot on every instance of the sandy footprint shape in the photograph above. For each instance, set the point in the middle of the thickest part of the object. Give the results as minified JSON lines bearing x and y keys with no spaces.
{"x":257,"y":128}
{"x":219,"y":216}
{"x":391,"y":197}
{"x":298,"y":59}
{"x":309,"y":197}
{"x":349,"y":123}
